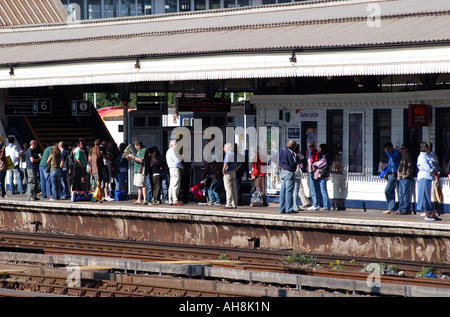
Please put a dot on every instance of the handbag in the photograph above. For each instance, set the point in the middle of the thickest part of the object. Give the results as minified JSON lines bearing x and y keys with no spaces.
{"x":9,"y":163}
{"x":98,"y":192}
{"x":438,"y":192}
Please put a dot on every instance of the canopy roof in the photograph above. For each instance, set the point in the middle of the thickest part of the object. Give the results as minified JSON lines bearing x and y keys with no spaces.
{"x":329,"y":38}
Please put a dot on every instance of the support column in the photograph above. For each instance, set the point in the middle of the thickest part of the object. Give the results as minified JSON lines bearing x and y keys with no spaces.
{"x":124,"y":94}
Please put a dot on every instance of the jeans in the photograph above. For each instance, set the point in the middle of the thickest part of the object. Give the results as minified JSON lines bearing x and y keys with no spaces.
{"x":314,"y":187}
{"x":324,"y":191}
{"x":299,"y":191}
{"x":45,"y":181}
{"x":424,"y":194}
{"x":213,"y":191}
{"x":287,"y":190}
{"x":404,"y":203}
{"x":389,"y":191}
{"x":55,"y":178}
{"x":149,"y":184}
{"x":18,"y":173}
{"x":123,"y":180}
{"x":65,"y":184}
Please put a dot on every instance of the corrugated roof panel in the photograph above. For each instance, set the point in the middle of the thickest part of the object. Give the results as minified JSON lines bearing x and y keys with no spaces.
{"x":421,"y":29}
{"x":283,"y":27}
{"x":23,"y":12}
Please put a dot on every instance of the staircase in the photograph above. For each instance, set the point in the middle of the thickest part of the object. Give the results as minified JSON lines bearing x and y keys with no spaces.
{"x":61,"y":125}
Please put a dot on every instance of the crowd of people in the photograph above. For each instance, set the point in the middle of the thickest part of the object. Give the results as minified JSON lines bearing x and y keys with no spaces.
{"x":58,"y":172}
{"x":292,"y":162}
{"x":400,"y":172}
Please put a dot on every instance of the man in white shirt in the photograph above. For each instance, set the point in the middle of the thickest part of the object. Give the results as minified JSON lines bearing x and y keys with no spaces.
{"x":175,"y":168}
{"x":13,"y":151}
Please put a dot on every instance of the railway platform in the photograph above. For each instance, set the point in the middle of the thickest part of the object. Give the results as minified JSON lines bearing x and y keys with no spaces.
{"x":351,"y":232}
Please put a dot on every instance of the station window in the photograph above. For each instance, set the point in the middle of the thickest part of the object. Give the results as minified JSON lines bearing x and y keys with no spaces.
{"x":199,"y":5}
{"x":185,"y":5}
{"x":412,"y":136}
{"x":170,"y":6}
{"x":94,"y":9}
{"x":355,"y":142}
{"x":381,"y":135}
{"x":335,"y":123}
{"x":128,"y":8}
{"x":214,"y":4}
{"x":139,"y":122}
{"x":111,"y":9}
{"x":442,"y":146}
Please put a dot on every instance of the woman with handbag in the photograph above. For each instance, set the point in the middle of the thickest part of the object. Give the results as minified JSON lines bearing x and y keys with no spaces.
{"x":322,"y":173}
{"x":426,"y":174}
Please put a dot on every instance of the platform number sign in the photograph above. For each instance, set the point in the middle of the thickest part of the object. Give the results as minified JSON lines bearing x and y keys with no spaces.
{"x":42,"y":105}
{"x":81,"y":108}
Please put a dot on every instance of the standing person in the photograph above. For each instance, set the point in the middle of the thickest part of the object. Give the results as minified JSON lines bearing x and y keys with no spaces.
{"x":156,"y":166}
{"x":258,"y":174}
{"x":54,"y":160}
{"x":229,"y":176}
{"x":107,"y":172}
{"x":427,"y":172}
{"x":434,"y":200}
{"x":139,"y":172}
{"x":298,"y":186}
{"x":240,"y":171}
{"x":96,"y":163}
{"x":13,"y":152}
{"x":23,"y":166}
{"x":32,"y":158}
{"x":288,"y":165}
{"x":175,"y":168}
{"x":322,"y":173}
{"x":405,"y":177}
{"x":121,"y":165}
{"x":79,"y":168}
{"x":314,"y":184}
{"x":394,"y":157}
{"x":3,"y":170}
{"x":216,"y":184}
{"x":44,"y":173}
{"x":65,"y":191}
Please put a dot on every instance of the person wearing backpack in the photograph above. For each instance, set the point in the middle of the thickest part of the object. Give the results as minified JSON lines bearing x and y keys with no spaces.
{"x":322,"y":173}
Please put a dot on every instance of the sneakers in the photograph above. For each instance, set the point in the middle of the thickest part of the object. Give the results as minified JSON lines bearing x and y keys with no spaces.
{"x":432,"y":219}
{"x":313,"y":208}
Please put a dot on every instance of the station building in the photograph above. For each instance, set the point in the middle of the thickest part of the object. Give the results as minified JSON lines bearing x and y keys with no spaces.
{"x":346,"y":73}
{"x":96,"y":9}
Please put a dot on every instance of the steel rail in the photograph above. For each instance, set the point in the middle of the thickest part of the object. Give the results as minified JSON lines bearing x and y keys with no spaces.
{"x":262,"y":260}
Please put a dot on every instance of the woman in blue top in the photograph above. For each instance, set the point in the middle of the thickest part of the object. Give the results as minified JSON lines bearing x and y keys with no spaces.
{"x":425,"y":176}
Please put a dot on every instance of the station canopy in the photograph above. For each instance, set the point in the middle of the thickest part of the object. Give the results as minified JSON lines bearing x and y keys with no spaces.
{"x":301,"y":39}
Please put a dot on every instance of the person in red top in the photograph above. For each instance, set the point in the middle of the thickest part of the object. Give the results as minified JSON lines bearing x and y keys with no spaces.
{"x":258,"y":173}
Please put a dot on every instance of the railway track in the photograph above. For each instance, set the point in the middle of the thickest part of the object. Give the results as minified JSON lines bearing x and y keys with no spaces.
{"x":255,"y":260}
{"x":58,"y":285}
